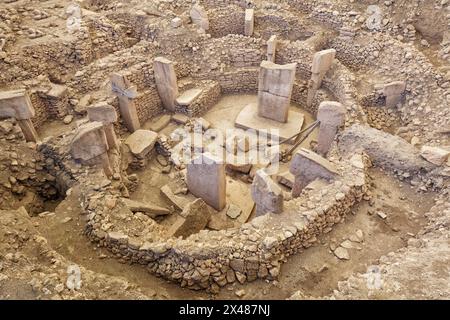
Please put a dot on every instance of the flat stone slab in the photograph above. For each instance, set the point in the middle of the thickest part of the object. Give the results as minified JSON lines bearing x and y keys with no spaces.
{"x":141,"y":142}
{"x":248,"y":119}
{"x":149,"y":209}
{"x":189,"y":96}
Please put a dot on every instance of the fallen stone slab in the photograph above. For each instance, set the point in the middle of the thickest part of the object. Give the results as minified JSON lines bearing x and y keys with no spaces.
{"x":385,"y":150}
{"x":141,"y":142}
{"x":160,"y":123}
{"x":179,"y":201}
{"x":148,"y":209}
{"x":193,"y":219}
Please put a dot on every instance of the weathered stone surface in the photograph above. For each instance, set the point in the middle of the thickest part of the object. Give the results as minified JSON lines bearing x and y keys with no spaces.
{"x":393,"y":92}
{"x":308,"y":166}
{"x":160,"y":123}
{"x":126,"y":93}
{"x":199,"y":17}
{"x":331,"y":115}
{"x":89,"y":141}
{"x":275,"y":90}
{"x":435,"y":155}
{"x":103,"y":113}
{"x":271,"y":48}
{"x":166,"y":81}
{"x":249,"y":22}
{"x":189,"y":96}
{"x":194,"y":218}
{"x":267,"y":195}
{"x":385,"y":150}
{"x":141,"y":142}
{"x":322,"y":62}
{"x":206,"y":180}
{"x":16,"y":104}
{"x":149,"y":209}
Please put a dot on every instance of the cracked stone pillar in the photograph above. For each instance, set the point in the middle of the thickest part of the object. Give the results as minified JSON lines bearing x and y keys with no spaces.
{"x":107,"y":115}
{"x":249,"y":22}
{"x":90,"y":142}
{"x":199,"y":17}
{"x":206,"y":180}
{"x":322,"y":62}
{"x":308,"y":166}
{"x":275,"y":90}
{"x":126,"y":93}
{"x":271,"y":48}
{"x":331,"y":115}
{"x":393,"y":92}
{"x":17,"y":104}
{"x":266,"y":194}
{"x":166,"y":82}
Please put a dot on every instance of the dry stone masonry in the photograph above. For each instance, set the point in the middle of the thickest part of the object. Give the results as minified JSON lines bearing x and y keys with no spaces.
{"x":101,"y":101}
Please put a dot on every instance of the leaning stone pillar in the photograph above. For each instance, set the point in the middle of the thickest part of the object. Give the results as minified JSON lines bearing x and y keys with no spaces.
{"x":393,"y":92}
{"x":331,"y":115}
{"x":249,"y":22}
{"x":322,"y":62}
{"x":266,"y":194}
{"x":126,"y":93}
{"x":90,"y":142}
{"x":308,"y":166}
{"x":206,"y":180}
{"x":271,"y":48}
{"x":17,"y":104}
{"x":275,"y":90}
{"x":107,"y":115}
{"x":166,"y":82}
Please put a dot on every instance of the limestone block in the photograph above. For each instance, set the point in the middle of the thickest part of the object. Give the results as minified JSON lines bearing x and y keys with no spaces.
{"x":89,"y":141}
{"x":249,"y":22}
{"x":393,"y":92}
{"x":206,"y":180}
{"x":141,"y":142}
{"x":199,"y":17}
{"x":193,"y":219}
{"x":435,"y":155}
{"x":331,"y":115}
{"x":323,"y":60}
{"x":16,"y":104}
{"x":166,"y":82}
{"x":275,"y":90}
{"x":271,"y":48}
{"x":103,"y":113}
{"x":267,"y":195}
{"x":308,"y":166}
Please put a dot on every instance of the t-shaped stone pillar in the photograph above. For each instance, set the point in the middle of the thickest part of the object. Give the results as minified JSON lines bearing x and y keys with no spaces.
{"x":199,"y":17}
{"x":90,"y":142}
{"x":107,"y":115}
{"x":275,"y":90}
{"x":166,"y":82}
{"x":272,"y":48}
{"x":249,"y":22}
{"x":308,"y":166}
{"x":17,"y":104}
{"x":322,"y":62}
{"x":331,"y":115}
{"x":126,"y":93}
{"x":267,"y":195}
{"x":206,"y":180}
{"x":393,"y":92}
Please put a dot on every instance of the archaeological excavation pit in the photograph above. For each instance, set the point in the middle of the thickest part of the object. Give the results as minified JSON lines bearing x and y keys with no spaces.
{"x":223,"y":149}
